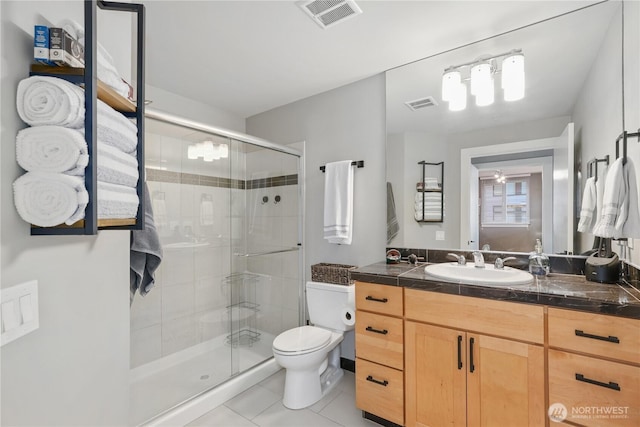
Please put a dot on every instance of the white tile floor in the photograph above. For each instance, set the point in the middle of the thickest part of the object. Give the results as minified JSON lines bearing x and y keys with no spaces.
{"x":261,"y":405}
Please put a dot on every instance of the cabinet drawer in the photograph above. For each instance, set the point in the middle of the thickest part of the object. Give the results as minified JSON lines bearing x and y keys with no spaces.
{"x":382,"y":299}
{"x":380,"y":391}
{"x":595,"y":392}
{"x":380,"y":339}
{"x":511,"y":320}
{"x":597,"y":334}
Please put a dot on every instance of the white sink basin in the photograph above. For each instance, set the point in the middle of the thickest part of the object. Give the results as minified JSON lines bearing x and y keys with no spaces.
{"x":470,"y":275}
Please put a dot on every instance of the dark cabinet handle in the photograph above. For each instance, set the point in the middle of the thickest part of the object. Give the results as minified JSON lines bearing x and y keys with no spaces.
{"x":610,"y":338}
{"x":611,"y":385}
{"x":471,"y":365}
{"x":373,"y":380}
{"x":377,"y":331}
{"x":459,"y":352}
{"x":370,"y":298}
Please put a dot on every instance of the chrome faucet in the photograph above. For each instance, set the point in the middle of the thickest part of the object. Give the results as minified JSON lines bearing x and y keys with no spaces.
{"x":460,"y":258}
{"x":499,"y":265}
{"x":478,"y":259}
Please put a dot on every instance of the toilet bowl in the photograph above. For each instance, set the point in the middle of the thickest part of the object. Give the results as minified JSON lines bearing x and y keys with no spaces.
{"x":311,"y":354}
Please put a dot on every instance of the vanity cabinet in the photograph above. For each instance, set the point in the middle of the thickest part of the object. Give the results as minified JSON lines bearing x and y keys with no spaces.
{"x":594,"y":367}
{"x":379,"y":336}
{"x":459,"y":373}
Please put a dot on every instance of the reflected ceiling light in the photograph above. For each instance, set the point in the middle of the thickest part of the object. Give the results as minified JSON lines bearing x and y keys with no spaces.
{"x":481,"y":80}
{"x":192,"y":152}
{"x":224,"y":151}
{"x":499,"y":176}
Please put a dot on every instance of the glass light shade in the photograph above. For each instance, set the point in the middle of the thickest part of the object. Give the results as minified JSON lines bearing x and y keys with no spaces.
{"x":480,"y":77}
{"x":192,"y":152}
{"x":450,"y":81}
{"x":486,"y":94}
{"x":513,"y":77}
{"x":458,"y":102}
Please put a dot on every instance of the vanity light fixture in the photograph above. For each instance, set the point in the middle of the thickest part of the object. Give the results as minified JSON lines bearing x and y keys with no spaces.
{"x":480,"y":76}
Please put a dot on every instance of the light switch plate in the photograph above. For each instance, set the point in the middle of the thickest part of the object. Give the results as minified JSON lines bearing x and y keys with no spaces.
{"x":440,"y":235}
{"x":19,"y":306}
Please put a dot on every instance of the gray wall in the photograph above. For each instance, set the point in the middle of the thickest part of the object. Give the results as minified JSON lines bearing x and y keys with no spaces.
{"x":345,"y":123}
{"x":598,"y":112}
{"x":74,"y":369}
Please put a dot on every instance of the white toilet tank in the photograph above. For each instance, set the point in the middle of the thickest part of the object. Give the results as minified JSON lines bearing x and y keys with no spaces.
{"x":327,"y":302}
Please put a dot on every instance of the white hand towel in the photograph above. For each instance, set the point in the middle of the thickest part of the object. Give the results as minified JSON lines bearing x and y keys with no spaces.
{"x":52,"y":149}
{"x":338,"y":202}
{"x":619,"y":216}
{"x":48,"y":199}
{"x":116,"y":201}
{"x":588,"y":211}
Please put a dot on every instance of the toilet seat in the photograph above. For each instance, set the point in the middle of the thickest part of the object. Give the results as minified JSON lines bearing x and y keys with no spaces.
{"x":300,"y":340}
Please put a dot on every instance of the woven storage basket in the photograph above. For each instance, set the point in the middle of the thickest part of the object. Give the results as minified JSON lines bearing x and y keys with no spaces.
{"x":332,"y":273}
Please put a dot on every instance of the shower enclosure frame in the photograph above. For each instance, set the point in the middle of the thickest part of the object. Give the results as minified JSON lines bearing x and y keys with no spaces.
{"x":192,"y":404}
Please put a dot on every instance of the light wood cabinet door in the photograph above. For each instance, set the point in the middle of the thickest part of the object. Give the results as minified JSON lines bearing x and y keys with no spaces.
{"x":505,"y":382}
{"x":435,"y":380}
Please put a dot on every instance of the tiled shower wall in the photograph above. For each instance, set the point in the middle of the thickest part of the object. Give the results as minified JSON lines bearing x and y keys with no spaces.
{"x":205,"y":212}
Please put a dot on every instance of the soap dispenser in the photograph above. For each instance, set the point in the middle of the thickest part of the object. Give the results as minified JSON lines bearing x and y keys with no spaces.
{"x":538,"y":262}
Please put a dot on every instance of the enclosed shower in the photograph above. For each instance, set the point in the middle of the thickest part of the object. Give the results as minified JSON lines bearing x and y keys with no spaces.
{"x":228,"y":209}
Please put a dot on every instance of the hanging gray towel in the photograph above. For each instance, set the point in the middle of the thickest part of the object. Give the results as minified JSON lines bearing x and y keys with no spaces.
{"x":146,"y":252}
{"x":392,"y":220}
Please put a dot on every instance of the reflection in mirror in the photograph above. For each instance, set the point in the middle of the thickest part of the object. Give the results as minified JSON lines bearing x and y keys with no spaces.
{"x":571,"y":112}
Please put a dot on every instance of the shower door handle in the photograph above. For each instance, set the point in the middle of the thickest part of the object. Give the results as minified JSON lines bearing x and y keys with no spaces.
{"x":279,"y":251}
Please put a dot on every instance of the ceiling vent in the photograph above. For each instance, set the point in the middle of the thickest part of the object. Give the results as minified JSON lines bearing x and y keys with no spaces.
{"x":329,"y":12}
{"x":425,"y":102}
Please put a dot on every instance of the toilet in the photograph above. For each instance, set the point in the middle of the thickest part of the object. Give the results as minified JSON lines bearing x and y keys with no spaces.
{"x":311,"y":354}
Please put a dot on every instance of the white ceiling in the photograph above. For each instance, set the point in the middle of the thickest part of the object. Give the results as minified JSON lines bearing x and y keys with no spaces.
{"x":247,"y":57}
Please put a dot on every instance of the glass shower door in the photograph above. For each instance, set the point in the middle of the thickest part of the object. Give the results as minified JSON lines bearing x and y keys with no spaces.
{"x":267,"y":255}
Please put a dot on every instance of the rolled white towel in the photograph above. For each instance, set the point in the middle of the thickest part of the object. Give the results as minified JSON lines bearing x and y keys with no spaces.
{"x":107,"y":72}
{"x":43,"y":100}
{"x":116,"y":167}
{"x":116,"y":201}
{"x":52,"y":149}
{"x":47,"y":199}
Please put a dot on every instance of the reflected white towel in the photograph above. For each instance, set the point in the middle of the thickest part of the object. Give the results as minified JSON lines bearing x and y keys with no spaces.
{"x":52,"y":149}
{"x":588,"y":211}
{"x":107,"y":72}
{"x":206,"y":212}
{"x":116,"y":201}
{"x":338,"y":202}
{"x":419,"y":216}
{"x":47,"y":199}
{"x":620,"y":215}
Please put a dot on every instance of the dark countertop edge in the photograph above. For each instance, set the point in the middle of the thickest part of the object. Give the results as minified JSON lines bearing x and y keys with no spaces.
{"x":501,"y":294}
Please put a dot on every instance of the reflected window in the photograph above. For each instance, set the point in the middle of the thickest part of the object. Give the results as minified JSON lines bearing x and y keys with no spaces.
{"x":505,"y":204}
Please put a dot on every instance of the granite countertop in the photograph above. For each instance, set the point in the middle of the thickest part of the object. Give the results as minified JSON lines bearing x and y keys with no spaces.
{"x":559,"y":290}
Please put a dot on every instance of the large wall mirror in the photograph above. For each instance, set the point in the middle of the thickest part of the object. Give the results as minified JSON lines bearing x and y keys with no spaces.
{"x":513,"y":170}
